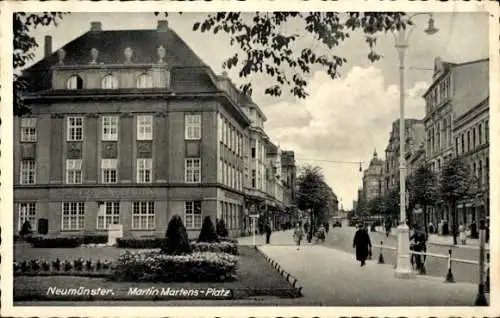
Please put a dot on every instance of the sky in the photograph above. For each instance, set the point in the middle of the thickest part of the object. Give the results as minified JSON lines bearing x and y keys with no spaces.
{"x":345,"y":119}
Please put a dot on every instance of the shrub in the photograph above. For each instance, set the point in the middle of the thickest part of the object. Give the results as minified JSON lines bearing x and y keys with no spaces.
{"x":141,"y":242}
{"x":95,"y":239}
{"x":176,"y":242}
{"x":154,"y":266}
{"x":56,"y":242}
{"x":207,"y":233}
{"x":221,"y":229}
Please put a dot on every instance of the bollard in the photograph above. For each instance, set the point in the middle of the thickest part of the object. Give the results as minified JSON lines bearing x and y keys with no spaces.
{"x":381,"y":256}
{"x":449,"y":275}
{"x":487,"y":274}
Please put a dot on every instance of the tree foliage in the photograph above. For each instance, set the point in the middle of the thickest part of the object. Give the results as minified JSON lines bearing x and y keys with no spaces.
{"x":24,"y":45}
{"x":177,"y":241}
{"x":455,"y":180}
{"x":314,"y":194}
{"x":376,"y":206}
{"x":423,"y":186}
{"x":391,"y":202}
{"x":207,"y":233}
{"x":267,"y":47}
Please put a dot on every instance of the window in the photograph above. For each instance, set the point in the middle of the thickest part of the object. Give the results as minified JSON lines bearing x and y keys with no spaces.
{"x":480,"y":134}
{"x":110,"y":128}
{"x":193,"y":170}
{"x":192,"y":214}
{"x":109,"y":170}
{"x":192,"y":127}
{"x":109,"y":213}
{"x":469,"y":147}
{"x":28,"y":129}
{"x":145,"y":127}
{"x":480,"y":172}
{"x":486,"y":131}
{"x":144,"y":81}
{"x":109,"y":82}
{"x":143,"y":215}
{"x":28,"y":172}
{"x":27,"y":212}
{"x":228,"y":176}
{"x":456,"y":146}
{"x":144,"y":170}
{"x":75,"y":128}
{"x":254,"y":183}
{"x":463,"y":142}
{"x":74,"y":171}
{"x":73,"y":216}
{"x":74,"y":82}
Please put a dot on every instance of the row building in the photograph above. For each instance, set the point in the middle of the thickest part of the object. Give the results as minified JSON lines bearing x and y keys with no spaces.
{"x":131,"y":127}
{"x":456,"y":123}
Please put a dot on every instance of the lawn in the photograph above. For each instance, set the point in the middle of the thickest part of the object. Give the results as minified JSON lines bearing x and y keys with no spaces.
{"x":256,"y":277}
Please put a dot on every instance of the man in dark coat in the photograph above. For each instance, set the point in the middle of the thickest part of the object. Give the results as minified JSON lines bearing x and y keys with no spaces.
{"x":268,"y":230}
{"x":362,"y":243}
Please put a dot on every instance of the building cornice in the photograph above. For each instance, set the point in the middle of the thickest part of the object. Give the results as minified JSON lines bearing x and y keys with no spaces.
{"x":471,"y":114}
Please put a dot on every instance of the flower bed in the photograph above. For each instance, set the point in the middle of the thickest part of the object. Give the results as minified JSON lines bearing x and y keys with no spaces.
{"x":195,"y":267}
{"x":222,"y":247}
{"x":41,"y":267}
{"x":152,"y":243}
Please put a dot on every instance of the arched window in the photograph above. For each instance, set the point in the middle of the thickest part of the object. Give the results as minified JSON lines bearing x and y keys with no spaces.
{"x":109,"y":82}
{"x":144,"y":81}
{"x":74,"y":82}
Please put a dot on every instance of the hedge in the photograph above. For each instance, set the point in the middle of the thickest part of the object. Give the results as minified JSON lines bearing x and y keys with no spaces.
{"x":194,"y":267}
{"x":66,"y":241}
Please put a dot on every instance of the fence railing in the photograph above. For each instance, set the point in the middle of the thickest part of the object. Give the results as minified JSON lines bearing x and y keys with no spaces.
{"x":449,"y":275}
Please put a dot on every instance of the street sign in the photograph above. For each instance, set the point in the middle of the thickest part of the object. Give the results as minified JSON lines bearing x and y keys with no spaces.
{"x":254,"y":216}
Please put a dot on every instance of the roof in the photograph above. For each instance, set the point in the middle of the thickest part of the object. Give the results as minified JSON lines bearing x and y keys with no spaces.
{"x":111,"y":46}
{"x":446,"y":68}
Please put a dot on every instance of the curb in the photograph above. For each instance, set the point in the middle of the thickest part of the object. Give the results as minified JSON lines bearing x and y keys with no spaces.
{"x":289,"y":278}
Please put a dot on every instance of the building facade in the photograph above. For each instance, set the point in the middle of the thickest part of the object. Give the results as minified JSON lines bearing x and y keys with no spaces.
{"x":456,"y":90}
{"x":414,"y":138}
{"x":372,"y":178}
{"x":131,"y":127}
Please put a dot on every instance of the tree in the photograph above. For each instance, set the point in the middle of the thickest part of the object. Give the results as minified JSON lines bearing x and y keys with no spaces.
{"x":24,"y":44}
{"x":177,"y":242}
{"x":423,"y":188}
{"x":391,"y":202}
{"x":454,"y":185}
{"x":268,"y":48}
{"x":376,"y":206}
{"x":207,"y":233}
{"x":222,"y":229}
{"x":313,"y":195}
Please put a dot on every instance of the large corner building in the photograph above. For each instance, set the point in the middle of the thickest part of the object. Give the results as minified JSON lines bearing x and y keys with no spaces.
{"x":131,"y":127}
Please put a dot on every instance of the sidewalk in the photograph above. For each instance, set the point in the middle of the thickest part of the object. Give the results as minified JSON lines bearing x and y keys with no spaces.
{"x":440,"y":239}
{"x":334,"y":278}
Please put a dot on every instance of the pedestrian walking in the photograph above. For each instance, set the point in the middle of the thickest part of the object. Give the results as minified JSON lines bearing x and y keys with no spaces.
{"x":388,"y":226}
{"x":267,"y":229}
{"x":298,"y":235}
{"x":462,"y":234}
{"x":363,"y":244}
{"x":327,"y":228}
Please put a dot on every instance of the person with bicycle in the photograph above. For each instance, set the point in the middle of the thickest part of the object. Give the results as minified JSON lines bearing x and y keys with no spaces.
{"x":418,"y":244}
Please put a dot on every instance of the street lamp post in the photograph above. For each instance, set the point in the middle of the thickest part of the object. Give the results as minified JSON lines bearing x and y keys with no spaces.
{"x":403,"y":269}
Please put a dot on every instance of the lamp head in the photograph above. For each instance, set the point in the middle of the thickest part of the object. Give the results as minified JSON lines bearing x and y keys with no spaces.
{"x":431,"y":29}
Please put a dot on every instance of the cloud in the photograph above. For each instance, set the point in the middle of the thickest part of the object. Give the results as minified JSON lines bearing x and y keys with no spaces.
{"x":342,"y":120}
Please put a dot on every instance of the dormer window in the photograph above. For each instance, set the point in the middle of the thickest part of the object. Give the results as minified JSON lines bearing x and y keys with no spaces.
{"x":109,"y":82}
{"x":74,"y":82}
{"x":144,"y":81}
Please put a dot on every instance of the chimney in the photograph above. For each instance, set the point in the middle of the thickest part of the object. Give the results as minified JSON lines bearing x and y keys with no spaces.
{"x":162,"y":26}
{"x":48,"y":45}
{"x":96,"y":26}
